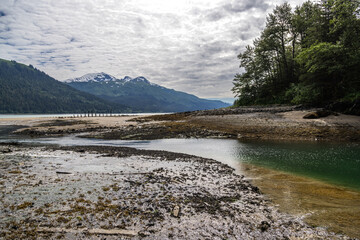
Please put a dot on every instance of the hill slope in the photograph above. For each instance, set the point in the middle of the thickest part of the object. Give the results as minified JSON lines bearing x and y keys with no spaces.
{"x":138,"y":93}
{"x":24,"y":89}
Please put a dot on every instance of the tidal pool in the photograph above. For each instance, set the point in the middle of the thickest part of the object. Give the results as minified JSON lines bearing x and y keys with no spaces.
{"x":320,"y":181}
{"x":330,"y":162}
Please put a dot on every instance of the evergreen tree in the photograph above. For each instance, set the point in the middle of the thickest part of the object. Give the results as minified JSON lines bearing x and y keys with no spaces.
{"x":308,"y":56}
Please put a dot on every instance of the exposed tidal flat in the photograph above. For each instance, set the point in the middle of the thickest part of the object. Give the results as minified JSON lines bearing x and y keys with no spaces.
{"x":202,"y":189}
{"x":318,"y":182}
{"x":70,"y":192}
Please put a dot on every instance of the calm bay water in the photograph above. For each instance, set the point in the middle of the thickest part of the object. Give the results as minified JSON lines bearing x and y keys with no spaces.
{"x":8,"y":116}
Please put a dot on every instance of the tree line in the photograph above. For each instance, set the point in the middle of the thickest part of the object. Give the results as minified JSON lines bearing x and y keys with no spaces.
{"x":309,"y":55}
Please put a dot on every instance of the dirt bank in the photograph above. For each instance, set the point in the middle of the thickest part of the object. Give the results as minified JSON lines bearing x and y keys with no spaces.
{"x":95,"y":192}
{"x":41,"y":126}
{"x":267,"y":123}
{"x":278,"y":123}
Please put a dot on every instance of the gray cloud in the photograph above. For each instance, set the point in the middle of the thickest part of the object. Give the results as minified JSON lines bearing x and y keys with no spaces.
{"x":237,"y":7}
{"x":190,"y":47}
{"x":242,"y":6}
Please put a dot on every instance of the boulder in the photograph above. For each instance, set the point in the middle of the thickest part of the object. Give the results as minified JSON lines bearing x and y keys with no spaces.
{"x":318,"y":114}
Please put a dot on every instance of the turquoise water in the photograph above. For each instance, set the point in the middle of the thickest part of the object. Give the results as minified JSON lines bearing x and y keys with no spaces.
{"x":333,"y":163}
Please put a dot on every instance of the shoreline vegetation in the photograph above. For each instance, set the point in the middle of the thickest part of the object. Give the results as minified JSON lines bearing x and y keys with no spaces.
{"x":307,"y":55}
{"x":153,"y":194}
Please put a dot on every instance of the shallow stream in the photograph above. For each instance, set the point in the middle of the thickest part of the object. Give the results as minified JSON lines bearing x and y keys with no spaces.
{"x":329,"y":162}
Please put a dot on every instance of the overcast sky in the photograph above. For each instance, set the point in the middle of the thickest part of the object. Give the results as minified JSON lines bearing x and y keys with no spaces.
{"x":188,"y":45}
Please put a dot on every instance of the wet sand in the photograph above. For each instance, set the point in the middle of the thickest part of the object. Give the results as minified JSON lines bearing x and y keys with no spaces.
{"x":320,"y":204}
{"x":65,"y":123}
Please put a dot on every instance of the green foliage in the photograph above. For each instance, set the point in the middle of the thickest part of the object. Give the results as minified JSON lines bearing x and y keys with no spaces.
{"x":24,"y":89}
{"x":303,"y":94}
{"x":351,"y":97}
{"x":307,"y":56}
{"x":323,"y":57}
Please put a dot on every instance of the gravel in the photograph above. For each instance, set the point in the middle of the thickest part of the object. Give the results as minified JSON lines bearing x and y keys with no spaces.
{"x":156,"y":194}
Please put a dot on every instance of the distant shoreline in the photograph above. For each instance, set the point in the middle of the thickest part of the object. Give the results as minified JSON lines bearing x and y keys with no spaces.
{"x":266,"y":123}
{"x":74,"y":115}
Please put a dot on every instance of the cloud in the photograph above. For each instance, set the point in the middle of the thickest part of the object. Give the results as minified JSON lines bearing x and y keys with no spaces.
{"x":236,"y":7}
{"x":190,"y":46}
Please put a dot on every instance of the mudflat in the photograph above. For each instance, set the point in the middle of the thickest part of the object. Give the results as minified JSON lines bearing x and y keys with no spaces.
{"x":91,"y":192}
{"x":88,"y":192}
{"x":276,"y":123}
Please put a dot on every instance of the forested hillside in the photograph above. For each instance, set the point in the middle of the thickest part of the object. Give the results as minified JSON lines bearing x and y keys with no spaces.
{"x":309,"y":55}
{"x":139,"y":93}
{"x":24,"y":89}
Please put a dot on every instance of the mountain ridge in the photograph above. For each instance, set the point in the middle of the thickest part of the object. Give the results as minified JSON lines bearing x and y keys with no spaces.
{"x":25,"y":89}
{"x":141,"y":94}
{"x":104,"y":77}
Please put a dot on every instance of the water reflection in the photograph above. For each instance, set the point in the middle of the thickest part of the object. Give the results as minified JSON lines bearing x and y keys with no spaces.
{"x":332,"y":163}
{"x":323,"y":204}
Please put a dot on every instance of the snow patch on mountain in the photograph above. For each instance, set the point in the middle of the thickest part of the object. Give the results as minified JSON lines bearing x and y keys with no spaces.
{"x":127,"y":79}
{"x":93,"y":77}
{"x":104,"y":77}
{"x":140,"y":94}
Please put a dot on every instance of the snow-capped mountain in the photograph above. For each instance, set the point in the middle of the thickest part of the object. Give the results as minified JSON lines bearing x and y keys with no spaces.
{"x":140,"y":94}
{"x":93,"y":77}
{"x":25,"y":89}
{"x":104,"y":77}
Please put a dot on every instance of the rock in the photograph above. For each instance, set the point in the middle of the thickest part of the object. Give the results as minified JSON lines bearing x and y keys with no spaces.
{"x":150,"y":224}
{"x":176,"y":211}
{"x":8,"y":150}
{"x":264,"y":225}
{"x":317,"y":114}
